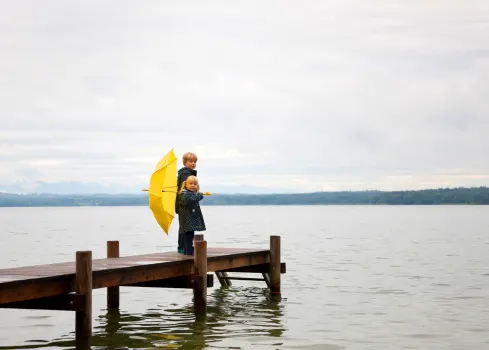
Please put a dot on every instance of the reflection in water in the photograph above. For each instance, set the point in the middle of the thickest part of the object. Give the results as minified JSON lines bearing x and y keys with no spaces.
{"x":231,"y":313}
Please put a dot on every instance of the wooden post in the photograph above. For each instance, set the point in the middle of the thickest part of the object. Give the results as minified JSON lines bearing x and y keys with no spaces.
{"x":84,"y":287}
{"x":221,"y":276}
{"x":228,"y":282}
{"x":222,"y":281}
{"x":266,"y":277}
{"x":275,"y":264}
{"x":200,"y":269}
{"x":113,"y":292}
{"x":198,"y":238}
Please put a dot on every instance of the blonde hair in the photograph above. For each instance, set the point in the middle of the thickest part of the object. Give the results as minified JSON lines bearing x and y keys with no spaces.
{"x":189,"y":156}
{"x":191,"y":178}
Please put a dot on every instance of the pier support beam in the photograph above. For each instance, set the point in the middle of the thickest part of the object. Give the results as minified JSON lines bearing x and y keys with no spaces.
{"x":227,"y":280}
{"x":84,"y":287}
{"x":113,"y":292}
{"x":200,"y":270}
{"x":223,"y":278}
{"x":222,"y":281}
{"x":275,"y":265}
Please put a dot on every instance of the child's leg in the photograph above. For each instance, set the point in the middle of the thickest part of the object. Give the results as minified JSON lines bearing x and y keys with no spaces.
{"x":188,"y":243}
{"x":180,"y":242}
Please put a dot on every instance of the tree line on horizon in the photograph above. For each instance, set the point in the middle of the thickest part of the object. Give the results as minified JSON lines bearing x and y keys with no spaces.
{"x":473,"y":196}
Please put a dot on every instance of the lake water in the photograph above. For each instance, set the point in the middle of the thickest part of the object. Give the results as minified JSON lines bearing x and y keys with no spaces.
{"x":358,"y":277}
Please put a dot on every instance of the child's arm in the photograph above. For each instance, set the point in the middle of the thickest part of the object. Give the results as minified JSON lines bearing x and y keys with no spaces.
{"x":188,"y":197}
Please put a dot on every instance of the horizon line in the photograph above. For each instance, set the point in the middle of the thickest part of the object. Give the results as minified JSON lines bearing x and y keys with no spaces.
{"x":245,"y":193}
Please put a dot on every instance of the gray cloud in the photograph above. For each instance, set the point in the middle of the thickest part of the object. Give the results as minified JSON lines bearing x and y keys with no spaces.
{"x":304,"y":96}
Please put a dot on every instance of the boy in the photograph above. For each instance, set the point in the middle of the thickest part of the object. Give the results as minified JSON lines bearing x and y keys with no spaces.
{"x":189,"y":164}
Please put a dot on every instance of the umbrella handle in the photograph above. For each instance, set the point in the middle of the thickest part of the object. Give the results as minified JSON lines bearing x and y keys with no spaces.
{"x":204,"y":193}
{"x":146,"y":190}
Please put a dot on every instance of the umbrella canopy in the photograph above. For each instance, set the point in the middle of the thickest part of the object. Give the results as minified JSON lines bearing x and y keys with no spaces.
{"x":162,"y":190}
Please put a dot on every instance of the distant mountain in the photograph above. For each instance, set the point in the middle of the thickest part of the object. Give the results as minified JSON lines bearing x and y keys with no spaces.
{"x":95,"y":188}
{"x":247,"y":190}
{"x":479,"y":195}
{"x":67,"y":188}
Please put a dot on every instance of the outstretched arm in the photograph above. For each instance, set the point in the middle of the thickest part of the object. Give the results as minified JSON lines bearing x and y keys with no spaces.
{"x":190,"y":197}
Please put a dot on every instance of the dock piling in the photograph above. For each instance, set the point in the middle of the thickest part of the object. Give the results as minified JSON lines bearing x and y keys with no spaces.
{"x":275,"y":265}
{"x":84,"y":288}
{"x":200,"y":270}
{"x":113,"y":293}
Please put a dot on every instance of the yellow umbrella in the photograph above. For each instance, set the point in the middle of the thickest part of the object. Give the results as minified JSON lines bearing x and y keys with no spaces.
{"x":162,"y":190}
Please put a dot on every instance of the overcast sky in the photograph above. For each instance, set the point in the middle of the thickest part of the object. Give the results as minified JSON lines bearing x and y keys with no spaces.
{"x":296,"y":95}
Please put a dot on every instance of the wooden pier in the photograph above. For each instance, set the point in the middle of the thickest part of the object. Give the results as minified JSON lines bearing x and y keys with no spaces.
{"x":68,"y":286}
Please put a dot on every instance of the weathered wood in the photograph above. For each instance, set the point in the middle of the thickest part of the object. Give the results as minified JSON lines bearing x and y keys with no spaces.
{"x":66,"y":302}
{"x":221,"y":275}
{"x":275,"y":264}
{"x":34,"y":287}
{"x":215,"y":263}
{"x":224,"y":274}
{"x":49,"y":286}
{"x":242,"y":278}
{"x":266,"y":278}
{"x":32,"y":282}
{"x":221,"y":280}
{"x":68,"y":286}
{"x":200,"y":270}
{"x":113,"y":294}
{"x":141,"y":273}
{"x":261,"y":268}
{"x":84,"y":287}
{"x":176,"y":282}
{"x":50,"y":270}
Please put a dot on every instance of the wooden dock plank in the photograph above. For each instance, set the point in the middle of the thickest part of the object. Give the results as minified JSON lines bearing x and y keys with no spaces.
{"x":102,"y":264}
{"x":217,"y":263}
{"x":30,"y":282}
{"x":9,"y":278}
{"x":33,"y":288}
{"x":123,"y":262}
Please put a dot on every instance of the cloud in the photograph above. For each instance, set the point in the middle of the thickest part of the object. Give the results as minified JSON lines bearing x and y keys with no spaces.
{"x":317,"y":95}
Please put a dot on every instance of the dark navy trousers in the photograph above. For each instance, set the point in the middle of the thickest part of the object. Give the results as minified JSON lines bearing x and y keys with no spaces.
{"x":188,"y":242}
{"x":180,"y":242}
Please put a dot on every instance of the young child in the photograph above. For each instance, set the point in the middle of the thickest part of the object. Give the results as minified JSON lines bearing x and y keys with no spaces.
{"x":190,"y":216}
{"x":189,"y":163}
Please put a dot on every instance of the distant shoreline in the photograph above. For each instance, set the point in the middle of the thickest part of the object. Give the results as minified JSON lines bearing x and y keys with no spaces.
{"x":462,"y":195}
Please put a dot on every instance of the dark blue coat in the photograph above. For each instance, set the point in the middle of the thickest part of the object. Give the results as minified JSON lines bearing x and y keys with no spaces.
{"x":183,"y":174}
{"x":190,"y":217}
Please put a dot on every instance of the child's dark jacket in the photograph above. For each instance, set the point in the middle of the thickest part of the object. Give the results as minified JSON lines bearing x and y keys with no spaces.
{"x":190,"y":216}
{"x":183,"y":174}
